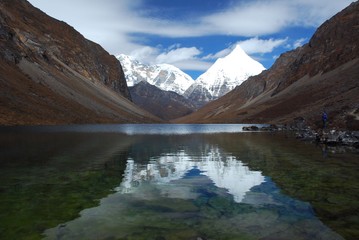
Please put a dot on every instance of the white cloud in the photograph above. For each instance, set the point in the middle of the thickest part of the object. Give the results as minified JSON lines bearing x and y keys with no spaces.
{"x":219,"y":54}
{"x":177,"y":55}
{"x":106,"y":22}
{"x":174,"y":46}
{"x":299,"y":42}
{"x":313,"y":13}
{"x":145,"y":54}
{"x":181,"y":57}
{"x":251,"y":19}
{"x":122,"y":26}
{"x":112,"y":22}
{"x":261,"y":46}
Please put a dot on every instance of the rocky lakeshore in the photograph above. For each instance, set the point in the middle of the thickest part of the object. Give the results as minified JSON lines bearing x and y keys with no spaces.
{"x":330,"y":137}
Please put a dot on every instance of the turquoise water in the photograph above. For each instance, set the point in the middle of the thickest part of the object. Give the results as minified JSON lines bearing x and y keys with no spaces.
{"x":173,"y":182}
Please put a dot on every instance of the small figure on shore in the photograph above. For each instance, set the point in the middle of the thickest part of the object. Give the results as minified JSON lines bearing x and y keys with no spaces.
{"x":324,"y":119}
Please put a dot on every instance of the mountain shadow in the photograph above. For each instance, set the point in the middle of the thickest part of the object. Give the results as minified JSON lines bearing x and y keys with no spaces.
{"x":166,"y":105}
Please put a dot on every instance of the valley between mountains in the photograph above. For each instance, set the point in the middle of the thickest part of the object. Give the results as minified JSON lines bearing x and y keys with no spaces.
{"x":50,"y":74}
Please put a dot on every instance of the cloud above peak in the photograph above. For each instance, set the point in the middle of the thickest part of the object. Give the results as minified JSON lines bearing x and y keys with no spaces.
{"x":256,"y":18}
{"x":101,"y":20}
{"x":261,"y":46}
{"x":177,"y":55}
{"x":185,"y":58}
{"x":127,"y":26}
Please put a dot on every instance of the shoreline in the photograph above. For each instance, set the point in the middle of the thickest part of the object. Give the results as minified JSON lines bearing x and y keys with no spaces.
{"x":328,"y":137}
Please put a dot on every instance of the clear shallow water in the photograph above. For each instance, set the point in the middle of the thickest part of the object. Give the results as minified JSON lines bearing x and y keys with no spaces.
{"x":84,"y":182}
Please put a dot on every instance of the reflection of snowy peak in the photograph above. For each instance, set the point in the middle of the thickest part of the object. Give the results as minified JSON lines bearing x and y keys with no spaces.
{"x":163,"y":76}
{"x":224,"y":171}
{"x":224,"y":75}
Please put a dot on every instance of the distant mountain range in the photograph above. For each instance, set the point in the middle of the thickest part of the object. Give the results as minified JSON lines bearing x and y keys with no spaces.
{"x":224,"y":75}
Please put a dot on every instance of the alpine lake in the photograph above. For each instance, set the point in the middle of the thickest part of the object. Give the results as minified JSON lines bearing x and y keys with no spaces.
{"x":167,"y":182}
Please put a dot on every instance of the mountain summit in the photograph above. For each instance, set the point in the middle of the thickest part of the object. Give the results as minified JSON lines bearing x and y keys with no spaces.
{"x":229,"y":72}
{"x":223,"y":76}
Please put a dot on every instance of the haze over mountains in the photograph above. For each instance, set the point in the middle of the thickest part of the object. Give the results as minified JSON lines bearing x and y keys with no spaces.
{"x":50,"y":74}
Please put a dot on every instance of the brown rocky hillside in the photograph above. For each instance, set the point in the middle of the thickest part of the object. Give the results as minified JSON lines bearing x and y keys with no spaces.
{"x":166,"y":105}
{"x":321,"y":75}
{"x":51,"y":74}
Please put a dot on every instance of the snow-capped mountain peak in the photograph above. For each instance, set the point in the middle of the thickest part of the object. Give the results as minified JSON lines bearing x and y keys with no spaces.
{"x":223,"y":76}
{"x":230,"y":71}
{"x":164,"y":76}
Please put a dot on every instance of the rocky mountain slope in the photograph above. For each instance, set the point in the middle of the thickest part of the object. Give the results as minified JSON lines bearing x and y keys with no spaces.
{"x":223,"y":76}
{"x":321,"y":75}
{"x":164,"y":76}
{"x":51,"y":74}
{"x":166,"y":105}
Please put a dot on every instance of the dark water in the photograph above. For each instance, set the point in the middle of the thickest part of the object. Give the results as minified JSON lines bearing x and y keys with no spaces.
{"x":173,"y":182}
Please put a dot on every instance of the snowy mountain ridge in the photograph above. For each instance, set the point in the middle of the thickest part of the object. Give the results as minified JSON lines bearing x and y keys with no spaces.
{"x":164,"y":76}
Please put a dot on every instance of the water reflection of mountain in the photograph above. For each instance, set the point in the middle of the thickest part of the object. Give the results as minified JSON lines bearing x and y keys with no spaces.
{"x":224,"y":170}
{"x":192,"y":189}
{"x":187,"y":185}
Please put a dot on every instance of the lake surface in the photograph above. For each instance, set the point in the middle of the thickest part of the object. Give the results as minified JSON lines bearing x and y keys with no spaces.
{"x":173,"y":182}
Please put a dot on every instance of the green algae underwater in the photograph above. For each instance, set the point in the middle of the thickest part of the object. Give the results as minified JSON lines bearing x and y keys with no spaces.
{"x":101,"y":185}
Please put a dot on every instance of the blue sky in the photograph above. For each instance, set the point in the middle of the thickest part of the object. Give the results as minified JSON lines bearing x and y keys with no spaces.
{"x":192,"y":34}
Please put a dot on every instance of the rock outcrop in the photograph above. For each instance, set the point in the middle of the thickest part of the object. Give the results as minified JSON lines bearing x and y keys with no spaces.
{"x":50,"y":74}
{"x":321,"y":75}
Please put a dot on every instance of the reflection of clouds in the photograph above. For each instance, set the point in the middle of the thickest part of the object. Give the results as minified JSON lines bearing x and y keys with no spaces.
{"x":224,"y":170}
